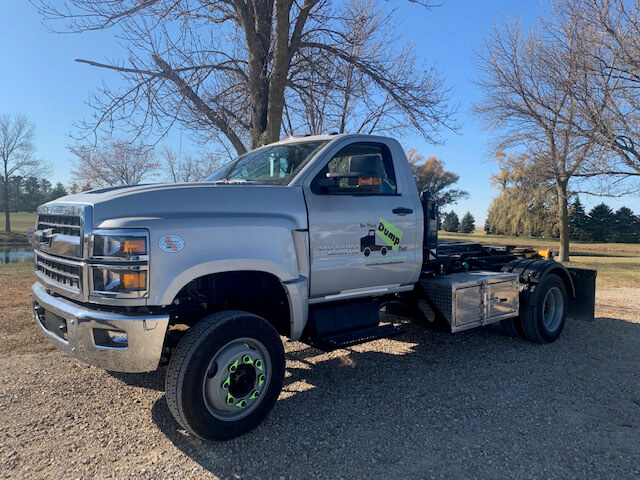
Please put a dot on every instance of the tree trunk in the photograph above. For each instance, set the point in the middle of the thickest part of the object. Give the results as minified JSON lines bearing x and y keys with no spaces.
{"x":7,"y":217}
{"x":279,"y":72}
{"x":563,"y":214}
{"x":257,"y":22}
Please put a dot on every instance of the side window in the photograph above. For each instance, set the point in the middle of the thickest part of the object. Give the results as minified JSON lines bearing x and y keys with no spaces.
{"x":357,"y":169}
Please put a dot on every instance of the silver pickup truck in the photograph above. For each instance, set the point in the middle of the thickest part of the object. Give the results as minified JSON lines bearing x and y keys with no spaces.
{"x":307,"y":239}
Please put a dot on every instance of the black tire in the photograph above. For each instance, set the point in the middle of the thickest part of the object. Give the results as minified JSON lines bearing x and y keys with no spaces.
{"x":383,"y":251}
{"x":536,"y":327}
{"x":367,"y":252}
{"x":512,"y":327}
{"x":190,"y":364}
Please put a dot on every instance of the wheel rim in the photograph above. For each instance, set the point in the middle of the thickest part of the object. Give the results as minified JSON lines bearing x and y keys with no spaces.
{"x":237,"y":378}
{"x":553,"y":309}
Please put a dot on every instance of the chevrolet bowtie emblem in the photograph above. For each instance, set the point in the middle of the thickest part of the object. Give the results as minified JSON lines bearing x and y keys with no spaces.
{"x":44,"y":237}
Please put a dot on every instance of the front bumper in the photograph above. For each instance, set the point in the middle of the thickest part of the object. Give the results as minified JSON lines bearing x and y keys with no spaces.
{"x":82,"y":333}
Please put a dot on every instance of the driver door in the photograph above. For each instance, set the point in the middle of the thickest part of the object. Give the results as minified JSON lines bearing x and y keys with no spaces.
{"x":361,"y":238}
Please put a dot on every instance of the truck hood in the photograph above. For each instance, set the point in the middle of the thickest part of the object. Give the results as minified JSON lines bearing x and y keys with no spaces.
{"x":140,"y":203}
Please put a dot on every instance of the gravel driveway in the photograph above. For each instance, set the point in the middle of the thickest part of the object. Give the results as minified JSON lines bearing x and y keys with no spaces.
{"x":421,"y":405}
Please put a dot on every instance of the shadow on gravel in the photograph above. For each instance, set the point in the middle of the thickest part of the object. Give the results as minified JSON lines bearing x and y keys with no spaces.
{"x":423,"y":404}
{"x":151,"y":380}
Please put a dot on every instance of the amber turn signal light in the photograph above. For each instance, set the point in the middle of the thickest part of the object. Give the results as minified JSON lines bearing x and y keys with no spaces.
{"x":134,"y":281}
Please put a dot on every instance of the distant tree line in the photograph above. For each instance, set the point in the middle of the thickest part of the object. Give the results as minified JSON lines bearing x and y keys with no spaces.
{"x":26,"y":193}
{"x":601,"y":224}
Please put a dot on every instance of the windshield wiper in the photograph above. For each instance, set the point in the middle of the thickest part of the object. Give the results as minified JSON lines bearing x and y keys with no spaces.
{"x":226,"y":181}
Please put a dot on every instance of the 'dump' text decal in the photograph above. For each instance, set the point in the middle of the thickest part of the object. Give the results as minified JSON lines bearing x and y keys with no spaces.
{"x":389,"y":234}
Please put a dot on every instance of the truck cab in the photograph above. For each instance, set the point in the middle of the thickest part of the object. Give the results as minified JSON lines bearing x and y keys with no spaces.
{"x":306,"y":238}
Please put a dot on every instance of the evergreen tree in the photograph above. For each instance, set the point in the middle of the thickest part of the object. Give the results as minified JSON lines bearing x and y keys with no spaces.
{"x":451,"y":222}
{"x":58,"y":191}
{"x":26,"y":193}
{"x":487,"y":226}
{"x":467,"y":224}
{"x":578,"y":221}
{"x":626,"y":226}
{"x":601,"y":223}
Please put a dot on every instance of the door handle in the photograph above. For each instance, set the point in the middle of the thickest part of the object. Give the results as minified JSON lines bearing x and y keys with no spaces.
{"x":402,"y":211}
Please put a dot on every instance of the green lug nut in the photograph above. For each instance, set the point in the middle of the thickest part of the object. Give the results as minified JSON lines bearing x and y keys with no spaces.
{"x":241,"y":404}
{"x":247,"y":359}
{"x":226,"y":383}
{"x":258,"y":364}
{"x":261,"y":379}
{"x":233,"y":366}
{"x":255,"y":394}
{"x":230,"y":399}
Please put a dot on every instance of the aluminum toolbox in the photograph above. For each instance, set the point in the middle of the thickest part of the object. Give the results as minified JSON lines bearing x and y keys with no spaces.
{"x":472,"y":299}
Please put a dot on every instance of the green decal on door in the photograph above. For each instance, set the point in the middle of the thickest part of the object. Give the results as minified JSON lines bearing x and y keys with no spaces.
{"x":390,"y":234}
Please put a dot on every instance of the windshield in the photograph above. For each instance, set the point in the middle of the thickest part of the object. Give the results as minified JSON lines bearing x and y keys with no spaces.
{"x":275,"y":164}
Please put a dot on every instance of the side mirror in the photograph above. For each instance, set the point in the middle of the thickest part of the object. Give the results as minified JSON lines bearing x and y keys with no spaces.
{"x":326,"y":183}
{"x":357,"y":175}
{"x":358,"y":182}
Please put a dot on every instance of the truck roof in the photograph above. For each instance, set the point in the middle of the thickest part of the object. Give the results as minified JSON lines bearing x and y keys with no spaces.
{"x":330,"y":136}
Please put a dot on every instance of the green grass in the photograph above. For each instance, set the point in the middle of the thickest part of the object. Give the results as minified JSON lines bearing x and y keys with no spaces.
{"x":20,"y":222}
{"x":618,"y":264}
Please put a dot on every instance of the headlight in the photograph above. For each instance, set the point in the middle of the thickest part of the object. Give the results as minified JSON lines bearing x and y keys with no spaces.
{"x":120,"y":246}
{"x":119,"y":263}
{"x":108,"y":280}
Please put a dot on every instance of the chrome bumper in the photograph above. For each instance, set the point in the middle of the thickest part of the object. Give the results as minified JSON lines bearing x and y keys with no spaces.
{"x":115,"y":342}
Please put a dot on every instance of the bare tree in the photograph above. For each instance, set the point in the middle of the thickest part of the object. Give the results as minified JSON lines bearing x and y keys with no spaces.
{"x":234,"y":67}
{"x":17,"y":153}
{"x":189,"y":168}
{"x":528,"y":79}
{"x":116,"y":163}
{"x":431,"y":176}
{"x":611,"y":103}
{"x":331,"y":94}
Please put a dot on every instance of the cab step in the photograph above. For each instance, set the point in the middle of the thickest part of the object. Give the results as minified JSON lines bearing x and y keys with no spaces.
{"x":356,"y":337}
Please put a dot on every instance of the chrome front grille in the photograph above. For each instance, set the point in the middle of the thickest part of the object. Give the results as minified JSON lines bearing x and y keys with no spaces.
{"x":60,"y":230}
{"x":70,"y":225}
{"x":62,"y":273}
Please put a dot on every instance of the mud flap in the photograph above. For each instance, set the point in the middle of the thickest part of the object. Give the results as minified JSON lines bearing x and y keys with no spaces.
{"x":582,"y":306}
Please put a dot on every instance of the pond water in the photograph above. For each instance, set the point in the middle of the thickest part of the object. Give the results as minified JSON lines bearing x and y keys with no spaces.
{"x":15,"y":254}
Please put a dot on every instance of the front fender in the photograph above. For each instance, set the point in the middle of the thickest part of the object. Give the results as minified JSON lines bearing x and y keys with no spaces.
{"x":219,"y":266}
{"x":297,"y":289}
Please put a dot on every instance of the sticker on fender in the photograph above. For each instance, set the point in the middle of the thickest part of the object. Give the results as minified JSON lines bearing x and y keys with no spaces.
{"x":390,"y":234}
{"x":171,"y":243}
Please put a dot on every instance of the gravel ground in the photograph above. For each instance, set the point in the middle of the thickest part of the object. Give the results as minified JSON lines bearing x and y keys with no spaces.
{"x":421,"y":405}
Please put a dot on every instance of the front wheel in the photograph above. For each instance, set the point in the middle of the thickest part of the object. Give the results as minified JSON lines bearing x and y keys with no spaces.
{"x":225,"y":375}
{"x":544,"y":312}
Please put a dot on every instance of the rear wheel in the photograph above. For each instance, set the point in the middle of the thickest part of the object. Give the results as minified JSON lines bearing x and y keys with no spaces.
{"x":544,"y":312}
{"x":225,"y":375}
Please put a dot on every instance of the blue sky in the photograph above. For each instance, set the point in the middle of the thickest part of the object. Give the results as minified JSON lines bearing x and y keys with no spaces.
{"x":41,"y":79}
